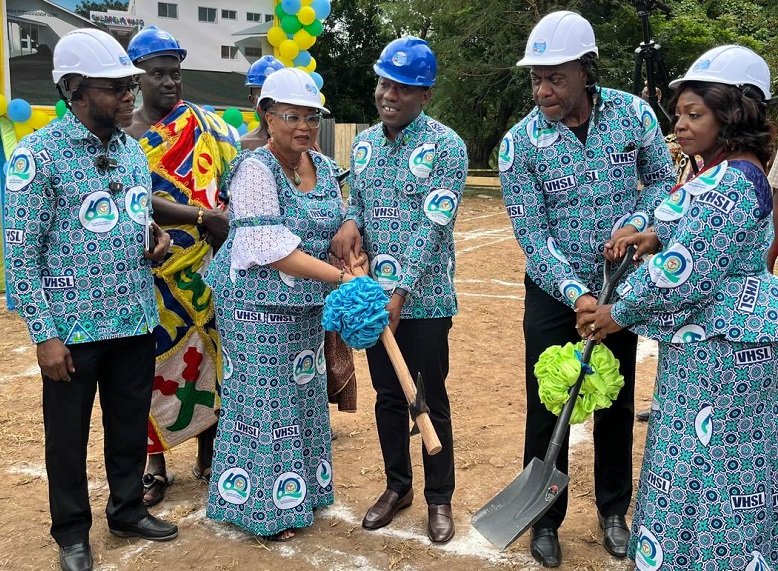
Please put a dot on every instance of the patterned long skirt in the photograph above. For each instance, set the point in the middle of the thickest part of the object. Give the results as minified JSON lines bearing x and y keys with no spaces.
{"x":272,"y":460}
{"x":708,"y":493}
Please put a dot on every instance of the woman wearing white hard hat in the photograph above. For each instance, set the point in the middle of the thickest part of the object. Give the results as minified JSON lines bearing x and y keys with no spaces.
{"x":272,"y":462}
{"x":709,"y":483}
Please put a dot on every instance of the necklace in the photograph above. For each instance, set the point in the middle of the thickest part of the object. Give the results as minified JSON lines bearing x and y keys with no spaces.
{"x":286,"y":164}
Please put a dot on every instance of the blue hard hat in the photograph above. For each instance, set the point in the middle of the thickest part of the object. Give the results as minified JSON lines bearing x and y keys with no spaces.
{"x":260,"y":69}
{"x":152,"y":42}
{"x":409,"y":61}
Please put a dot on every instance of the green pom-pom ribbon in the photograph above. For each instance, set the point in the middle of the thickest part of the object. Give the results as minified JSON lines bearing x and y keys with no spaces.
{"x":557,"y":371}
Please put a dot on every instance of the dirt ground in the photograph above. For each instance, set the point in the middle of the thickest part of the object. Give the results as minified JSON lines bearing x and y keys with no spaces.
{"x":486,"y":386}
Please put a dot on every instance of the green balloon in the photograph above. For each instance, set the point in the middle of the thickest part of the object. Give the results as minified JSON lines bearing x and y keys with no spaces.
{"x":233,"y":116}
{"x":61,"y":108}
{"x":290,"y":24}
{"x":280,"y":11}
{"x":314,"y":28}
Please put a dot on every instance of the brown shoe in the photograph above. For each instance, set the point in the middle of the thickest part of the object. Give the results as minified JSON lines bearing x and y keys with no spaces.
{"x":383,"y":511}
{"x":440,"y":526}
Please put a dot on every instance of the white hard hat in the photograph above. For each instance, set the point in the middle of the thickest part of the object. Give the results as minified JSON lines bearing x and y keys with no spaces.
{"x":91,"y":53}
{"x":292,"y":86}
{"x":732,"y":65}
{"x":558,"y":38}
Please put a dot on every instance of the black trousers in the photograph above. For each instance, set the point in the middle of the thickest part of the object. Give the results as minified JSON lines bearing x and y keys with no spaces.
{"x":424,"y":344}
{"x":549,"y":322}
{"x":124,"y":371}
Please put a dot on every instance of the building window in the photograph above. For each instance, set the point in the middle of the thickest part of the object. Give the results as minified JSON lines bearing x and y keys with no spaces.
{"x":268,"y":17}
{"x":229,"y":52}
{"x":229,"y":15}
{"x":206,"y":14}
{"x":253,"y":17}
{"x":252,"y":52}
{"x":167,"y":10}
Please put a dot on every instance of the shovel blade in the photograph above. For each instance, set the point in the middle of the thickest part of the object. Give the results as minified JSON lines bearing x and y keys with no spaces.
{"x":509,"y":514}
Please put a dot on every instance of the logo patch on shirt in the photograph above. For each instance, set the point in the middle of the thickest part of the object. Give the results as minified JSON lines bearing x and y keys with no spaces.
{"x":716,"y":200}
{"x":440,"y":206}
{"x":561,"y":183}
{"x":748,"y":501}
{"x":753,"y":355}
{"x":304,"y":367}
{"x":386,"y":212}
{"x":289,"y":491}
{"x":324,"y":473}
{"x":516,"y":210}
{"x":246,"y":429}
{"x":21,"y":169}
{"x":689,"y":334}
{"x":234,"y":486}
{"x":591,"y":176}
{"x":540,"y":136}
{"x":136,"y":203}
{"x":624,"y":158}
{"x":320,"y":214}
{"x":665,"y":172}
{"x":58,"y":282}
{"x":657,"y":481}
{"x":674,"y":206}
{"x":649,"y":555}
{"x":505,"y":155}
{"x":362,"y":153}
{"x":555,"y":251}
{"x":261,"y":317}
{"x":647,"y":119}
{"x":421,"y":160}
{"x":747,"y":300}
{"x":671,"y":268}
{"x":98,"y":212}
{"x":283,"y":432}
{"x":321,"y":360}
{"x":14,"y":236}
{"x":571,"y":289}
{"x":386,"y":271}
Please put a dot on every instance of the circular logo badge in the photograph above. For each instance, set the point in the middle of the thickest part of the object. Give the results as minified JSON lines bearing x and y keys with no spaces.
{"x":136,"y":203}
{"x":538,"y":48}
{"x":234,"y":486}
{"x":506,"y":153}
{"x":647,"y":118}
{"x":399,"y":59}
{"x":639,"y":221}
{"x":440,"y":206}
{"x":226,"y":365}
{"x":386,"y":271}
{"x":98,"y":212}
{"x":321,"y":361}
{"x":555,"y":251}
{"x":362,"y":153}
{"x":304,"y":367}
{"x":324,"y":473}
{"x":674,"y":206}
{"x":571,"y":289}
{"x":286,"y":278}
{"x":541,"y":136}
{"x":288,"y":491}
{"x":21,"y":169}
{"x":708,"y":180}
{"x":689,"y":334}
{"x":421,"y":159}
{"x":672,"y":267}
{"x":450,"y":271}
{"x":649,"y":555}
{"x":703,"y":425}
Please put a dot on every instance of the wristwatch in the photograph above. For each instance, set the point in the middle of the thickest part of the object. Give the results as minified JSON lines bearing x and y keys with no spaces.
{"x":200,"y":214}
{"x":402,"y":292}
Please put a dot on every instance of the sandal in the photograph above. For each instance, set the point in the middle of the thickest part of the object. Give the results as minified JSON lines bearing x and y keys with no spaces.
{"x":203,"y":474}
{"x":154,"y":486}
{"x":281,"y":536}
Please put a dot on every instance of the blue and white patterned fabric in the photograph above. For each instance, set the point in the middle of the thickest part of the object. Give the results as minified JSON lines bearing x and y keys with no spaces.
{"x":404,"y":198}
{"x":272,"y":461}
{"x":565,"y":199}
{"x":74,"y":235}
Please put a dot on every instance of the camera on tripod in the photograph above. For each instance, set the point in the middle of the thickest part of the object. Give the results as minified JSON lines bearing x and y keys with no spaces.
{"x":649,"y":5}
{"x":650,"y":54}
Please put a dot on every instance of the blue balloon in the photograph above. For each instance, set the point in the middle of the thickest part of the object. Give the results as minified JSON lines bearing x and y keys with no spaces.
{"x":317,"y":79}
{"x":210,"y":108}
{"x":322,"y":8}
{"x":291,"y":7}
{"x":243,"y":129}
{"x":303,"y":59}
{"x":19,"y":110}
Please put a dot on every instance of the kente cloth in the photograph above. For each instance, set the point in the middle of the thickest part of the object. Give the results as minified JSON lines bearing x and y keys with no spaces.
{"x":188,"y":152}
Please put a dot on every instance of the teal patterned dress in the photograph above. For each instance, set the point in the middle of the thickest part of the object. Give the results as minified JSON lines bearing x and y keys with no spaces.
{"x":708,"y":491}
{"x":272,"y":461}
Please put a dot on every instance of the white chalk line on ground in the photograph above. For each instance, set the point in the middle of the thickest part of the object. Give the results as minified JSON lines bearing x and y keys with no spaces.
{"x":491,"y":280}
{"x":478,"y":246}
{"x":489,"y":295}
{"x":475,"y":234}
{"x":465,"y":220}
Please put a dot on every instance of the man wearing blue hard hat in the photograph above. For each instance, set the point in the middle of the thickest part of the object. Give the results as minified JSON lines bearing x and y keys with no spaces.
{"x":188,"y":149}
{"x":255,"y":79}
{"x":407,"y":177}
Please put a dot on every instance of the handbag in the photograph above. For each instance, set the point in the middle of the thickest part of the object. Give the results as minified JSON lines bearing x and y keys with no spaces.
{"x":341,"y":375}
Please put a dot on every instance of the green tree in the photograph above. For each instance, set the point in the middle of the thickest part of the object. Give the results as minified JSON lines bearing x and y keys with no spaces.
{"x":83,"y":8}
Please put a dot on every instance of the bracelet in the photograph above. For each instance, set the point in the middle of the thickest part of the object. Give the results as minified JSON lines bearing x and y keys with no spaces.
{"x":340,"y":277}
{"x":200,"y":214}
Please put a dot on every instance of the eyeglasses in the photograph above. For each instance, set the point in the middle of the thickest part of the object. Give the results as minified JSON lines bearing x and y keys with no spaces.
{"x":293,"y":120}
{"x":118,"y":89}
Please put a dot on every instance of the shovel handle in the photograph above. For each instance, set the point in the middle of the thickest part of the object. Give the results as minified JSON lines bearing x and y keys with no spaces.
{"x":423,"y":422}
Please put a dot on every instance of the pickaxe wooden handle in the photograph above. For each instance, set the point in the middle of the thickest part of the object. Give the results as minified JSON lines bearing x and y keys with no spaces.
{"x":423,"y":422}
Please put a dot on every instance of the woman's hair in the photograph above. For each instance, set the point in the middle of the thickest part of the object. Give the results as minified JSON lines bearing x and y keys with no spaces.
{"x":265,"y":104}
{"x":742,"y":114}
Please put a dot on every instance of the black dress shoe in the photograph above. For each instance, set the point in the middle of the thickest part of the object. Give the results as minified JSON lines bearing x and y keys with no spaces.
{"x":545,"y":547}
{"x":76,"y":557}
{"x":616,"y":534}
{"x":148,"y":527}
{"x":383,"y":511}
{"x":440,"y":523}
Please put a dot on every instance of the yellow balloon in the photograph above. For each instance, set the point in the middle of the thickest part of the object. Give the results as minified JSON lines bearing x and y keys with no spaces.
{"x":289,"y":49}
{"x":286,"y":62}
{"x":3,"y":104}
{"x":303,"y":39}
{"x":306,"y":15}
{"x":307,"y":2}
{"x":38,"y":119}
{"x":311,"y":67}
{"x":23,"y":129}
{"x":252,"y":125}
{"x":323,"y":99}
{"x":276,"y":36}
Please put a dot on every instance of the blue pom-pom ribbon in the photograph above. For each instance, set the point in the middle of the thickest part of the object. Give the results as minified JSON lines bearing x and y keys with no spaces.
{"x":357,"y":311}
{"x":587,"y":368}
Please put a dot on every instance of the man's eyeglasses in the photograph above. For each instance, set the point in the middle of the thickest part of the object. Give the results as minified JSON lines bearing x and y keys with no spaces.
{"x":293,"y":120}
{"x":118,"y":89}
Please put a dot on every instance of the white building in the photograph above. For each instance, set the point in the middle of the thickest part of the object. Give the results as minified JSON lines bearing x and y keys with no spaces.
{"x":219,"y":35}
{"x":33,"y":23}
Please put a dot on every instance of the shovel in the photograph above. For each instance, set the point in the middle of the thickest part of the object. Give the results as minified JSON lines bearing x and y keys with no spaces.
{"x":516,"y":508}
{"x":414,"y":394}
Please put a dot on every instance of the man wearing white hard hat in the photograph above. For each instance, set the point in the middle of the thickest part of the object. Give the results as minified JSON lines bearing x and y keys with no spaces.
{"x":570,"y":173}
{"x":77,"y":207}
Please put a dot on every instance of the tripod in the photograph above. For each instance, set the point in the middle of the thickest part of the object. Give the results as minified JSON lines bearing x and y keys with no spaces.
{"x":650,"y":53}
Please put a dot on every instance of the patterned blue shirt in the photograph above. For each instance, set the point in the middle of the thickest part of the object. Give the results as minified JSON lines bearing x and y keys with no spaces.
{"x":404,"y":198}
{"x":75,"y":222}
{"x":565,"y":198}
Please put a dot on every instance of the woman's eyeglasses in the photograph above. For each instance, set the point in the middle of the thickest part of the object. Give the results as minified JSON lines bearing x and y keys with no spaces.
{"x":118,"y":89}
{"x":293,"y":120}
